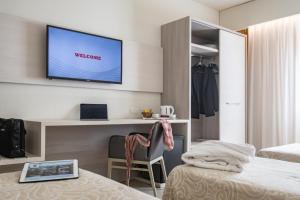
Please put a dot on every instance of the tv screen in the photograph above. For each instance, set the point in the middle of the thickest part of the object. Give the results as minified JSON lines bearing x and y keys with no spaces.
{"x":83,"y":56}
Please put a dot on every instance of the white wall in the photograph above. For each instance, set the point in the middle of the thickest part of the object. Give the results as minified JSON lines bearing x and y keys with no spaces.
{"x":132,"y":20}
{"x":257,"y":11}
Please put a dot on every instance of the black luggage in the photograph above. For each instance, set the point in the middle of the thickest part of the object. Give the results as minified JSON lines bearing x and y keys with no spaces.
{"x":12,"y":138}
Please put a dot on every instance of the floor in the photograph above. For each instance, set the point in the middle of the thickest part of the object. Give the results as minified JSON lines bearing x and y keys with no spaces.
{"x":146,"y":188}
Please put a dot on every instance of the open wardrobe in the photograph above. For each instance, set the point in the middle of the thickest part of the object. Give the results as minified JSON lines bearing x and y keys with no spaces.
{"x":205,"y":78}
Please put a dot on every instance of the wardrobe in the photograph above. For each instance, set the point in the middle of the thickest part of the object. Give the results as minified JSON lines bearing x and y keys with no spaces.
{"x":186,"y":43}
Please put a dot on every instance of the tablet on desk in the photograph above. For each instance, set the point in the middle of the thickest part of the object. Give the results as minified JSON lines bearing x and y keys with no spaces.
{"x":49,"y":171}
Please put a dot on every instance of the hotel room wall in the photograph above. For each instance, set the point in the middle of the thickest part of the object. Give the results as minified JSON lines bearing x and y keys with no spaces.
{"x":258,"y":11}
{"x":134,"y":21}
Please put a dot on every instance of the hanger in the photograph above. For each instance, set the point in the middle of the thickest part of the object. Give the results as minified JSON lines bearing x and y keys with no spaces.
{"x":200,"y":60}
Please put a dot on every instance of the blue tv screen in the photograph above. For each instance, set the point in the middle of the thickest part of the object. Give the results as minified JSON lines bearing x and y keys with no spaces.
{"x":83,"y":56}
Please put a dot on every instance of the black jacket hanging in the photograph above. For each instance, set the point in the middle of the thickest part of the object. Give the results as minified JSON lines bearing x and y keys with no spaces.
{"x":205,"y":98}
{"x":199,"y":76}
{"x":211,"y":96}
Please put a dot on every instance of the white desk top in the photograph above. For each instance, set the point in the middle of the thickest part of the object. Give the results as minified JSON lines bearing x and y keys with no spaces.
{"x":108,"y":122}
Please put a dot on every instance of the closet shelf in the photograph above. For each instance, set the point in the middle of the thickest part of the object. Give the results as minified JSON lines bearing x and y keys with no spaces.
{"x":203,"y":50}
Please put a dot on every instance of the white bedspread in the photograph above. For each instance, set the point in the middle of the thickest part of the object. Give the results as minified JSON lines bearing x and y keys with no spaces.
{"x":261,"y":179}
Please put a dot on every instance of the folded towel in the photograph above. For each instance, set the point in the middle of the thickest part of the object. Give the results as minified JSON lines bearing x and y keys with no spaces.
{"x":219,"y":155}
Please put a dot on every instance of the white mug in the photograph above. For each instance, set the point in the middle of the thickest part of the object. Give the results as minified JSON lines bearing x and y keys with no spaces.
{"x":155,"y":116}
{"x":167,"y":110}
{"x":173,"y":116}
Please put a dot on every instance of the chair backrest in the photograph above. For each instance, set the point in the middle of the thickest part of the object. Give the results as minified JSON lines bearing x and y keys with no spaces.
{"x":156,"y":148}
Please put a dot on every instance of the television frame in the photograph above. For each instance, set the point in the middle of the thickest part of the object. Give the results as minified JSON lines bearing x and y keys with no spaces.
{"x":79,"y":79}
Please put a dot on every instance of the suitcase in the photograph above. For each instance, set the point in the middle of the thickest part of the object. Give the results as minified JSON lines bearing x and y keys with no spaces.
{"x":12,"y":138}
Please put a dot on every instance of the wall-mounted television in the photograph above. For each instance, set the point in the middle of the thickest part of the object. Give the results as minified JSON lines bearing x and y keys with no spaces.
{"x":82,"y":56}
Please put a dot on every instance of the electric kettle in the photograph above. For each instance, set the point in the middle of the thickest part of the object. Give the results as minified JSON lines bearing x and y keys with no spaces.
{"x":167,"y":110}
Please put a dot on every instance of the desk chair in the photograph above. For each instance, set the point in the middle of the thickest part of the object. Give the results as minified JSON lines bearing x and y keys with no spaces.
{"x":142,"y":156}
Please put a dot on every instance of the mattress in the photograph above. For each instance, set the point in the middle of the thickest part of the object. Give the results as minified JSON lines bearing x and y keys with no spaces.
{"x":289,"y":152}
{"x":261,"y":179}
{"x":88,"y":186}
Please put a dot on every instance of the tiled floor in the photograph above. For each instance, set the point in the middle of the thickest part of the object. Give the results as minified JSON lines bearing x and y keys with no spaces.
{"x":143,"y":187}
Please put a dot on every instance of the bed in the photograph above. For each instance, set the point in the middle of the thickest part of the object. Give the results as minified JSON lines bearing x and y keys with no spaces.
{"x":261,"y":179}
{"x":89,"y":186}
{"x":289,"y":152}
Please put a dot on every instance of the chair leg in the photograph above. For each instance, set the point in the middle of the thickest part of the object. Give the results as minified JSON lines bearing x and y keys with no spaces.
{"x":109,"y":168}
{"x":163,"y":168}
{"x":152,"y":178}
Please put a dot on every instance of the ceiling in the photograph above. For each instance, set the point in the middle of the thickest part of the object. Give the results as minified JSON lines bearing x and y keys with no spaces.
{"x":222,"y":4}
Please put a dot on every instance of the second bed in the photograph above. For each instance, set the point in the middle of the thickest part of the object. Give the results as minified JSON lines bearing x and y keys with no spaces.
{"x":289,"y":152}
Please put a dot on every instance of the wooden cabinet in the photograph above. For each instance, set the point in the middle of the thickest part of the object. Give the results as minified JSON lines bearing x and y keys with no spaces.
{"x":188,"y":37}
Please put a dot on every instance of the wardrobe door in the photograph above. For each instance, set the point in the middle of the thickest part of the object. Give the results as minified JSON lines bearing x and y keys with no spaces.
{"x":232,"y":87}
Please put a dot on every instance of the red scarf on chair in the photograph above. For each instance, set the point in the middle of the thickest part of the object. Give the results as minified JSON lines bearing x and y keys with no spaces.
{"x":132,"y":140}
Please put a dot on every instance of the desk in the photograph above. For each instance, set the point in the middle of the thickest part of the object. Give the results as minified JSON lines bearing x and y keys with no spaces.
{"x":62,"y":133}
